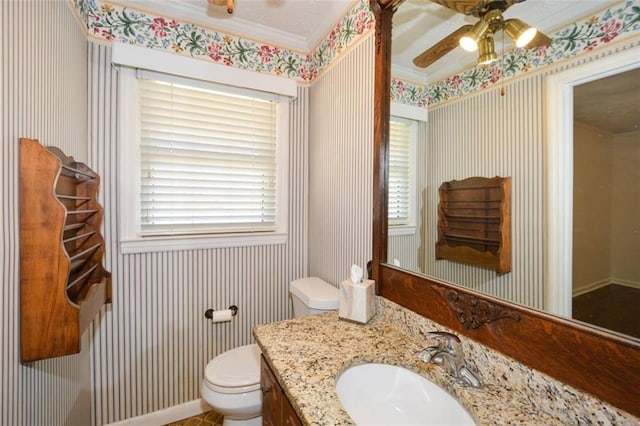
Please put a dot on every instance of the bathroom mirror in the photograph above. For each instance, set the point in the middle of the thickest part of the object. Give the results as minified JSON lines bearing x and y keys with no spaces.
{"x":528,"y":335}
{"x":484,"y":134}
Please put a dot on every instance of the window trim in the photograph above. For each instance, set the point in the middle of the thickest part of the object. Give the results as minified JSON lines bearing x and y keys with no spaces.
{"x":130,"y":241}
{"x":413,"y":114}
{"x":410,"y":226}
{"x":137,"y":57}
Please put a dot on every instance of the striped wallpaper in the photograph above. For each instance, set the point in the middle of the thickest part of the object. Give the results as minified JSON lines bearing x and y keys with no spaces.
{"x":150,"y":347}
{"x":341,"y":166}
{"x":148,"y":350}
{"x":44,"y":96}
{"x":475,"y":136}
{"x":154,"y":334}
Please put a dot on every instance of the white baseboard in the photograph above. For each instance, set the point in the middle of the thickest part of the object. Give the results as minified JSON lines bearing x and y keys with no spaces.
{"x":626,"y":283}
{"x":590,"y":287}
{"x":167,"y":415}
{"x":603,"y":283}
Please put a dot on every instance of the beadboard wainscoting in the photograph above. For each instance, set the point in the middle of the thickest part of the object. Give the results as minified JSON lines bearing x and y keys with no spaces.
{"x":150,"y":347}
{"x":341,"y":166}
{"x":44,"y":96}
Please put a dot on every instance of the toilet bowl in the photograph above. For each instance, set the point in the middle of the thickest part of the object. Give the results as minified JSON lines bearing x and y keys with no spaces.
{"x":231,"y":385}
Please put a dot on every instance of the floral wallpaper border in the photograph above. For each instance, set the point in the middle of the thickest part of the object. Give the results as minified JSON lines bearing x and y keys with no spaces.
{"x":109,"y":23}
{"x":573,"y":40}
{"x":114,"y":23}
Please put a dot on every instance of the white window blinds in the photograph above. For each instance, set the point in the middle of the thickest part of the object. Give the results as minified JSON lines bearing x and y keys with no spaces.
{"x":401,"y":133}
{"x":208,"y":160}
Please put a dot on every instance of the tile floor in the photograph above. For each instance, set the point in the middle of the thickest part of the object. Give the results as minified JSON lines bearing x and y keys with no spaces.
{"x":210,"y":418}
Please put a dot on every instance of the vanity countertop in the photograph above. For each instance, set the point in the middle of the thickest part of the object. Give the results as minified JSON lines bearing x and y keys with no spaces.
{"x":308,"y":354}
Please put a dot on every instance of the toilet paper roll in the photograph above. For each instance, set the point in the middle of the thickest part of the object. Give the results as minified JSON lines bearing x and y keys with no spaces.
{"x":221,"y":316}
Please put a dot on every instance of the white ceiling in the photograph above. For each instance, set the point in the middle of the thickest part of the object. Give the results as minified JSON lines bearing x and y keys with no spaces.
{"x":419,"y":24}
{"x":611,"y":104}
{"x":294,"y":24}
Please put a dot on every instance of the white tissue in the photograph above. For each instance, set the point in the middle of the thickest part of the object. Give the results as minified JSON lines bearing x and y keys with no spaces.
{"x":221,"y":316}
{"x":356,"y":274}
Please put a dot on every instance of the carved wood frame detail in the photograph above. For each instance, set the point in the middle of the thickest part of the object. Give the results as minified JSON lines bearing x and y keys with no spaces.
{"x":473,"y":312}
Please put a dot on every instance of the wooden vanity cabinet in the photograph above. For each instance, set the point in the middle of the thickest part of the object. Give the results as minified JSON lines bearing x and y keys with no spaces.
{"x":63,"y":284}
{"x":276,"y":408}
{"x":289,"y":416}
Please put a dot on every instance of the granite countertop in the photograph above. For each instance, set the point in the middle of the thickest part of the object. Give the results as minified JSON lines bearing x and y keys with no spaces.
{"x":308,"y":354}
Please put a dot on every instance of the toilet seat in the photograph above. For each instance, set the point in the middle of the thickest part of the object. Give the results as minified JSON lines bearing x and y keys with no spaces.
{"x":234,"y":371}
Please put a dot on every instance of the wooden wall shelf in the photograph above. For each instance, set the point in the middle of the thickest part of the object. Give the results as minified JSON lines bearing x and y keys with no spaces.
{"x":62,"y":282}
{"x":474,"y":222}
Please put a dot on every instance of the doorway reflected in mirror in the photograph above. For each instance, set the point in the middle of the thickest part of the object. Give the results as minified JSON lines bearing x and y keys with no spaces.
{"x":606,"y":203}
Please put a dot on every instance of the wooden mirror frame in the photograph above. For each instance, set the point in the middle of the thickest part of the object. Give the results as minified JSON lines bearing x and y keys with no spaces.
{"x":604,"y":365}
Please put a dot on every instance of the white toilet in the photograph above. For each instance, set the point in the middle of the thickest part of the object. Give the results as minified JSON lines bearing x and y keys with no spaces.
{"x":313,"y":296}
{"x":231,"y":383}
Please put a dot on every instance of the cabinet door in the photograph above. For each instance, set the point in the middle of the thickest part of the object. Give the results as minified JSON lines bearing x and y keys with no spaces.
{"x":289,"y":416}
{"x":271,"y":397}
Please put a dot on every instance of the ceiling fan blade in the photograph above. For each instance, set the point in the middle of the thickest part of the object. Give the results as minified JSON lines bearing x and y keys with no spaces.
{"x":462,"y":6}
{"x":541,"y":39}
{"x":441,"y":48}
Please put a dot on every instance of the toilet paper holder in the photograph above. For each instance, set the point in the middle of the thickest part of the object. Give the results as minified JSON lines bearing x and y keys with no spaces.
{"x":208,"y":314}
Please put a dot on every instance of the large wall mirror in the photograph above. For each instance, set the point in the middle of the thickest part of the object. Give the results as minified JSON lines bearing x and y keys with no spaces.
{"x":526,"y":313}
{"x":485,"y":134}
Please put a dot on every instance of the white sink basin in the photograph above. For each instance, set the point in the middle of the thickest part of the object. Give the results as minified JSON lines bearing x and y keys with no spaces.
{"x":389,"y":395}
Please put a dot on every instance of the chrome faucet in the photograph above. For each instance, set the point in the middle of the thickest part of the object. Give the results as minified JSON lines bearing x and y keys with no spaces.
{"x":448,"y":353}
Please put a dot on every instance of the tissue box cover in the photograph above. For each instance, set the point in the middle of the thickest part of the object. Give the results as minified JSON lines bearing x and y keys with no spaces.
{"x":357,"y":301}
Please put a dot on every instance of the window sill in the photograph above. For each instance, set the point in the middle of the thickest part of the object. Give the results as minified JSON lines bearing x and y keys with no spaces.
{"x":196,"y":242}
{"x":395,"y":231}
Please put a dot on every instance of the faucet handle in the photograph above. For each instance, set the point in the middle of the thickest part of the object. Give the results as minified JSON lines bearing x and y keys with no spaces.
{"x":449,"y":354}
{"x":454,"y":345}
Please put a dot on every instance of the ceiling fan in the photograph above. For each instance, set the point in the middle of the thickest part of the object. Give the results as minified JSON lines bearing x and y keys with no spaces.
{"x":480,"y":35}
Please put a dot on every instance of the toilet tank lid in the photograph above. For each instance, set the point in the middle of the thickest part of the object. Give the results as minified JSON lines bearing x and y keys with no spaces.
{"x":316,"y":293}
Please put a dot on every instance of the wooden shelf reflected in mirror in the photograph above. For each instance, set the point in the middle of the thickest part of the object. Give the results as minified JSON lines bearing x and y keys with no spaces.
{"x":474,"y":222}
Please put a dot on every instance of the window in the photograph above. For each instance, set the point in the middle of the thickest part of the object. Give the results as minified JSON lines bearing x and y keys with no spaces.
{"x":402,"y":152}
{"x":202,"y":165}
{"x":208,"y":160}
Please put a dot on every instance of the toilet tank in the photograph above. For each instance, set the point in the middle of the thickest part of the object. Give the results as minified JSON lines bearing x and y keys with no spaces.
{"x":313,"y":296}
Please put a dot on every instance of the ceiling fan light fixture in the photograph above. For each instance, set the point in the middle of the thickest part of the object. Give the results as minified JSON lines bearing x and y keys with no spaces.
{"x":520,"y":33}
{"x":472,"y":38}
{"x":487,"y":52}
